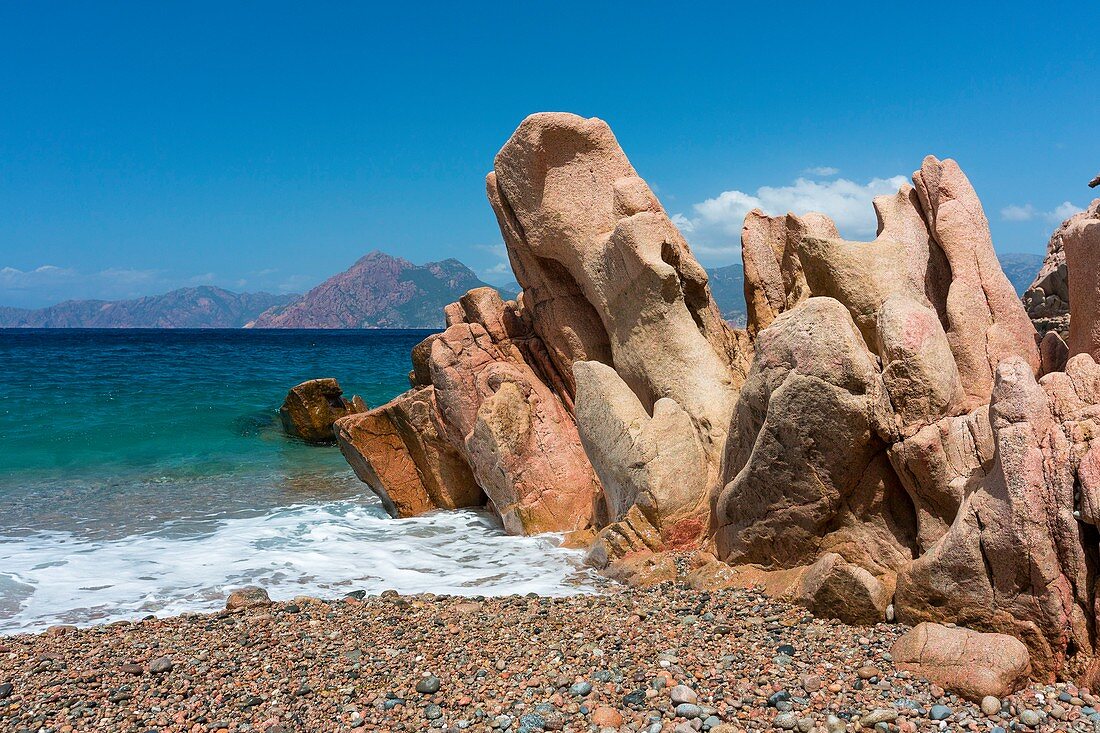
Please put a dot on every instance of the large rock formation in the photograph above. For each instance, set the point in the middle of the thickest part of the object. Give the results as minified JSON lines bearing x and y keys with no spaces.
{"x":612,"y":281}
{"x":898,"y":438}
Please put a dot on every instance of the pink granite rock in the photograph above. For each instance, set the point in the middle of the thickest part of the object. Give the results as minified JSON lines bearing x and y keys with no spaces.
{"x":986,"y":322}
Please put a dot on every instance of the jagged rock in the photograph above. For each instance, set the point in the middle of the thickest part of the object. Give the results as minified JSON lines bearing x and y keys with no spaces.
{"x":608,"y":278}
{"x":1016,"y":559}
{"x":937,"y":466}
{"x":832,"y":588}
{"x":397,"y":450}
{"x":986,"y":323}
{"x":969,"y":663}
{"x":312,"y":407}
{"x":1053,"y":352}
{"x":1047,"y":298}
{"x":903,"y":259}
{"x":1082,"y":248}
{"x":807,"y":467}
{"x":633,"y":533}
{"x":421,"y":374}
{"x":516,"y":435}
{"x":774,"y":281}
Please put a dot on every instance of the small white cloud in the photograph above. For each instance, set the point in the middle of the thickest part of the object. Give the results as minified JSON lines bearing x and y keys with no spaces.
{"x":715,"y":226}
{"x":1015,"y":212}
{"x":1064,"y":211}
{"x":499,"y":269}
{"x":1027,"y":212}
{"x":204,"y":279}
{"x":824,"y":171}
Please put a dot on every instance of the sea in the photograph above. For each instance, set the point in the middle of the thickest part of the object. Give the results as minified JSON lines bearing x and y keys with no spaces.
{"x":145,"y":472}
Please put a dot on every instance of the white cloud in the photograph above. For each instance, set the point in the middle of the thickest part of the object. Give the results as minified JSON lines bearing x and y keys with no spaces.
{"x":1027,"y":212}
{"x":1015,"y":212}
{"x":50,"y":284}
{"x":1064,"y":211}
{"x":714,"y":228}
{"x":498,"y":270}
{"x":822,"y":170}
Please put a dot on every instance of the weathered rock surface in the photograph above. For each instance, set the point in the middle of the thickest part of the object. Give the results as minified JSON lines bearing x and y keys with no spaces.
{"x":517,"y":436}
{"x":832,"y":588}
{"x":1082,"y":248}
{"x":774,"y":281}
{"x":311,"y":408}
{"x":966,"y":662}
{"x":397,"y":450}
{"x":937,"y":465}
{"x":649,"y":462}
{"x":807,"y":464}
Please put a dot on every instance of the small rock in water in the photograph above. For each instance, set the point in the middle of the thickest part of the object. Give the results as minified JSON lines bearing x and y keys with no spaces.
{"x":428,"y":686}
{"x":940,"y":712}
{"x":834,"y":724}
{"x":991,"y":705}
{"x":248,"y":597}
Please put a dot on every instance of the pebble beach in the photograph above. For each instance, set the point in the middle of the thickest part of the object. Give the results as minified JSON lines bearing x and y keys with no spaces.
{"x":666,"y":658}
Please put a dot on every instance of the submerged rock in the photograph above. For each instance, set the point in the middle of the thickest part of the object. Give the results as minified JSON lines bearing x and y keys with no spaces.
{"x":311,"y":408}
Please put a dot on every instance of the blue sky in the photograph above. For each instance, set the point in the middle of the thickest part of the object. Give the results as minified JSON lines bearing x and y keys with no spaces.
{"x":147,"y":146}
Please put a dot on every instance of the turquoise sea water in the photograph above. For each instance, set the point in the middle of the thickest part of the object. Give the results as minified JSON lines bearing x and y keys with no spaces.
{"x":145,"y":471}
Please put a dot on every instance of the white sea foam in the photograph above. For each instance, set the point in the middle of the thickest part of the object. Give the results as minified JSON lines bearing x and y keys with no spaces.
{"x":324,"y":550}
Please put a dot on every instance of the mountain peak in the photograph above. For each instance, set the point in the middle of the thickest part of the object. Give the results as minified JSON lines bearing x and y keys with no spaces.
{"x":378,"y":291}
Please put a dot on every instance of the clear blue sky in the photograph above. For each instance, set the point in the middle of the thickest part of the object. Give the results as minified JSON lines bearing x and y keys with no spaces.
{"x":266,"y":145}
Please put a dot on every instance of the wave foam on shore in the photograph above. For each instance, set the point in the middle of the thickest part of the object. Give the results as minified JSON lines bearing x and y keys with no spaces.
{"x":323,"y":550}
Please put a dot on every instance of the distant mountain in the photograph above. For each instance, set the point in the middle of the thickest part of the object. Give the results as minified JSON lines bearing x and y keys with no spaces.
{"x":378,"y":291}
{"x":727,"y":287}
{"x":1021,"y":268}
{"x":201,"y":307}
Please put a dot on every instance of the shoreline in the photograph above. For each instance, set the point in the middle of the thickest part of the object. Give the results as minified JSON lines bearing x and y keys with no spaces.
{"x":611,"y":661}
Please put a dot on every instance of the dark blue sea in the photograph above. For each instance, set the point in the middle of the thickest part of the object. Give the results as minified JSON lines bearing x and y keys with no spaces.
{"x":145,"y":472}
